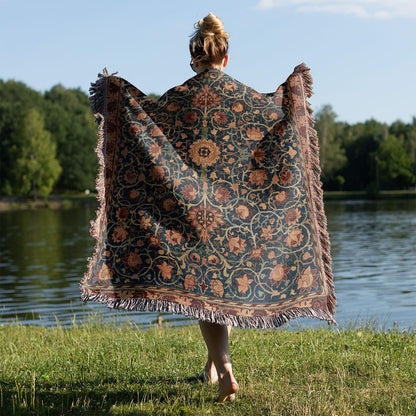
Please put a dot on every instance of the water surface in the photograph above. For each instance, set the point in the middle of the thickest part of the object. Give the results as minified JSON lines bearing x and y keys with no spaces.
{"x":43,"y":255}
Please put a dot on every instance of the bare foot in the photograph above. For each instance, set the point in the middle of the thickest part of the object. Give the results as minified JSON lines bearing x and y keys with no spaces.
{"x":209,"y":375}
{"x":228,"y":388}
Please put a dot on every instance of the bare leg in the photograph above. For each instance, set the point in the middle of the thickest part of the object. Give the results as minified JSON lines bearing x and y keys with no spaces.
{"x":216,"y":339}
{"x":210,"y":372}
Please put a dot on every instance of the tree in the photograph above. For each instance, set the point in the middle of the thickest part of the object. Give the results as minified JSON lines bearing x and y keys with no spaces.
{"x":408,"y":133}
{"x":35,"y":167}
{"x":362,"y":141}
{"x":70,"y":120}
{"x":332,"y":154}
{"x":15,"y":97}
{"x":394,"y":164}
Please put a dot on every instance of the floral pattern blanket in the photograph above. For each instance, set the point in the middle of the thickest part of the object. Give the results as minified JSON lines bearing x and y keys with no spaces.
{"x":210,"y":202}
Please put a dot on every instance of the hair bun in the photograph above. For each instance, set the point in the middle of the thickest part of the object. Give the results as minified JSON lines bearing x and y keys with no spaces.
{"x":209,"y":43}
{"x":210,"y":25}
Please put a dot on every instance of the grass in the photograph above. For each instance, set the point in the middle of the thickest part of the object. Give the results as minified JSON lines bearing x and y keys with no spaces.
{"x":109,"y":369}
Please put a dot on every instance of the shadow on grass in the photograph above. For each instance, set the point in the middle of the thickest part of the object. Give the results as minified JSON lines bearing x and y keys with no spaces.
{"x":98,"y":397}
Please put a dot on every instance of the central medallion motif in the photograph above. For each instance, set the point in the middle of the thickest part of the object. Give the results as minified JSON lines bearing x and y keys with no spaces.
{"x":204,"y":152}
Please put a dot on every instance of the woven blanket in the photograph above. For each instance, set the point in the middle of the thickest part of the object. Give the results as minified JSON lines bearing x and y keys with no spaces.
{"x":210,"y":202}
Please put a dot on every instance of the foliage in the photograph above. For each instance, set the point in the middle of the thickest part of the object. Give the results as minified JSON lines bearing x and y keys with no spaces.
{"x":110,"y":369}
{"x":35,"y":167}
{"x":71,"y":133}
{"x":365,"y":156}
{"x":71,"y":123}
{"x":15,"y":99}
{"x":332,"y":154}
{"x":393,"y":163}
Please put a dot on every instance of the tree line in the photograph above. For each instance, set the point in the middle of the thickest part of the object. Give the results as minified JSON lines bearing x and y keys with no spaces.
{"x":47,"y":143}
{"x":369,"y":156}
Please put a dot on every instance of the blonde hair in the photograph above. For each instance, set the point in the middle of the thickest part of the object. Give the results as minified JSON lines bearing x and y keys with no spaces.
{"x":209,"y":43}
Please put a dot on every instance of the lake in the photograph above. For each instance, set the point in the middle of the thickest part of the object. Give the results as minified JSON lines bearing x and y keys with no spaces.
{"x":43,"y":255}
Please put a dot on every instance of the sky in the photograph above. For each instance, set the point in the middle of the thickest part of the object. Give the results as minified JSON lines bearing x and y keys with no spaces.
{"x":362,"y":53}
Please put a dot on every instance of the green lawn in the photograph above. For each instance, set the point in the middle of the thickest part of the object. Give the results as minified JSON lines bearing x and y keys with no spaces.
{"x":109,"y":369}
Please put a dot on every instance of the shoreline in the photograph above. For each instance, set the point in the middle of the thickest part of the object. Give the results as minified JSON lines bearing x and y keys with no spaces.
{"x":61,"y":201}
{"x":66,"y":201}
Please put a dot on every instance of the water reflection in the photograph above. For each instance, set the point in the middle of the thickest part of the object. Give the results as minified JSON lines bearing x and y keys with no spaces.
{"x":43,"y":257}
{"x":373,"y":246}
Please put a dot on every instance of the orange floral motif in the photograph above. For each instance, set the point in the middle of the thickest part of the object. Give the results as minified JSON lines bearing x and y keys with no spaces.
{"x":189,"y":192}
{"x":133,"y":102}
{"x":122,"y":214}
{"x":105,"y":274}
{"x":173,"y":237}
{"x":280,"y":129}
{"x":220,"y":117}
{"x":195,"y":257}
{"x":154,"y":241}
{"x":292,"y":152}
{"x":134,"y":195}
{"x":155,"y":131}
{"x":141,"y":115}
{"x":267,"y":232}
{"x":217,"y":287}
{"x":155,"y":150}
{"x":213,"y":259}
{"x":135,"y":129}
{"x":278,"y":274}
{"x":307,"y":280}
{"x":190,"y":117}
{"x":238,"y":108}
{"x":243,"y":211}
{"x":222,"y":195}
{"x":230,"y":86}
{"x":256,"y":253}
{"x":165,"y":270}
{"x":294,"y":238}
{"x":258,"y":154}
{"x":206,"y":98}
{"x":257,"y":95}
{"x":157,"y":173}
{"x":285,"y":176}
{"x":130,"y":176}
{"x":273,"y":115}
{"x":190,"y":282}
{"x":236,"y":245}
{"x":119,"y":234}
{"x":254,"y":133}
{"x":257,"y":177}
{"x":132,"y":261}
{"x":169,"y":204}
{"x":172,"y":107}
{"x":204,"y":152}
{"x":205,"y":220}
{"x":243,"y":283}
{"x":293,"y":216}
{"x":281,"y":197}
{"x":145,"y":223}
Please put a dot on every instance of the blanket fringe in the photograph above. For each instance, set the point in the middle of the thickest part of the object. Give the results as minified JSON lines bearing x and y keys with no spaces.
{"x":317,"y":191}
{"x":245,"y":322}
{"x":97,"y":103}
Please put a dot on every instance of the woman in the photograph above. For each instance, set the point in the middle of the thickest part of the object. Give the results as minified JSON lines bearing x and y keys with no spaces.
{"x":209,"y":49}
{"x":211,"y":204}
